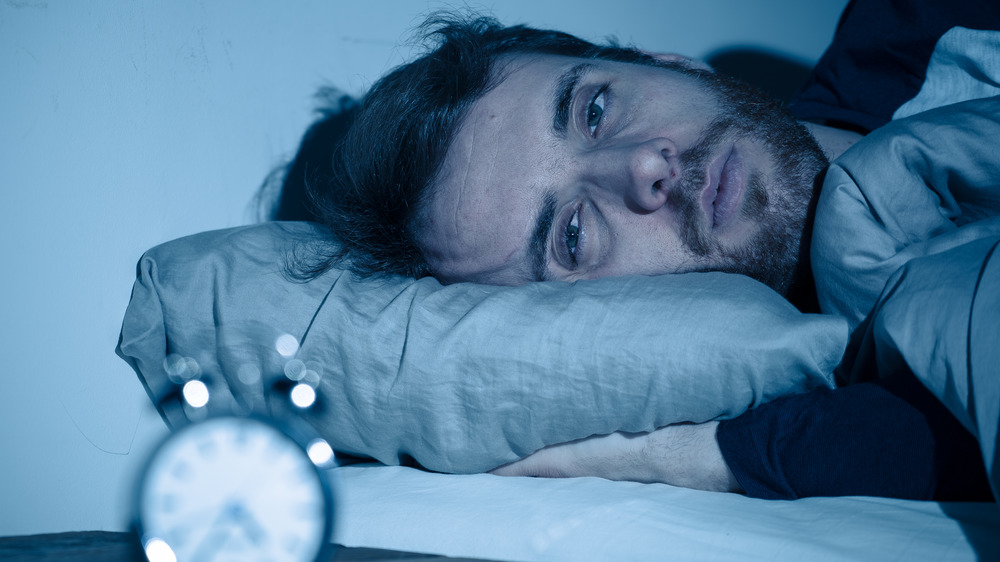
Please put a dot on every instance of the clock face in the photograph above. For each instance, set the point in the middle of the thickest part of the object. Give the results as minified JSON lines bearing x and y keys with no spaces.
{"x":233,"y":489}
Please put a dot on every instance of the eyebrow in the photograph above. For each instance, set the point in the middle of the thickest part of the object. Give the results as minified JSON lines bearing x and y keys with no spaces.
{"x":539,"y":238}
{"x":563,"y":97}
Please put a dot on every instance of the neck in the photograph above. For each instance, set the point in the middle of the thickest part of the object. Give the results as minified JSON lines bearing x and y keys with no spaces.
{"x":833,"y":141}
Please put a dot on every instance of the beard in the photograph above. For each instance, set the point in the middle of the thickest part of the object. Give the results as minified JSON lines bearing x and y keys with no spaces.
{"x":776,"y":254}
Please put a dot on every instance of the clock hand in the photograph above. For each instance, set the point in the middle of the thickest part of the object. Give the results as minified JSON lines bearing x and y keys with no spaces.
{"x":218,"y":533}
{"x":212,"y":542}
{"x":253,"y":529}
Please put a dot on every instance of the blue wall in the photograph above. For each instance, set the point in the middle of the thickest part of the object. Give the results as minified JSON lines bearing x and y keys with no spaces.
{"x":124,"y":124}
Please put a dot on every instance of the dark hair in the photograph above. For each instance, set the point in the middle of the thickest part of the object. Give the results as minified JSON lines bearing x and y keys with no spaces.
{"x":282,"y":195}
{"x":402,"y":131}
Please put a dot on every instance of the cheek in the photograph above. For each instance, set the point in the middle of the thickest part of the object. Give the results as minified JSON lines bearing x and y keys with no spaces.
{"x":646,"y":246}
{"x":684,"y":112}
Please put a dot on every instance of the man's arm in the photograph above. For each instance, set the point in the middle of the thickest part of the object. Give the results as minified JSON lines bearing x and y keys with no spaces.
{"x":684,"y":455}
{"x":888,"y":438}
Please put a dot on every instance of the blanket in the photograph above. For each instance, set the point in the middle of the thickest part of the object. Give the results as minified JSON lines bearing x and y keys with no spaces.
{"x":921,"y":201}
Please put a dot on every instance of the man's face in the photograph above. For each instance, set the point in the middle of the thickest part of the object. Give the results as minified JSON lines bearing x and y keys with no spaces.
{"x":574,"y":169}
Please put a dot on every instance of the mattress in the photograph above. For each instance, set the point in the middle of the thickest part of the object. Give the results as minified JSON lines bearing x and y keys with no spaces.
{"x":526,"y":519}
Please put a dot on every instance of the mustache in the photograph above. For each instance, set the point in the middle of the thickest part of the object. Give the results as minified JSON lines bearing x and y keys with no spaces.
{"x":686,"y":195}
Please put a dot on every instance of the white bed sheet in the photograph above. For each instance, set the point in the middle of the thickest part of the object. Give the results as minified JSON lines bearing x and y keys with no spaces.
{"x":492,"y":517}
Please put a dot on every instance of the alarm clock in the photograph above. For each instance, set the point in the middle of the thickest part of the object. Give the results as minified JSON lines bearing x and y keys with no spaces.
{"x":236,"y":487}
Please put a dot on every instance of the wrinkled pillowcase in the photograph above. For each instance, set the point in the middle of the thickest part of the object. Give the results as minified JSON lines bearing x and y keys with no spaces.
{"x":463,"y":378}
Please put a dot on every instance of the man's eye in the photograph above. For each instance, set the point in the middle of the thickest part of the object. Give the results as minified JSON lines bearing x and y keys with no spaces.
{"x":595,"y":111}
{"x":572,"y":235}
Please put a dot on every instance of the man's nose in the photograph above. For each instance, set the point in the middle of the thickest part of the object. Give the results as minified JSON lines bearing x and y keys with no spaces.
{"x":649,"y":171}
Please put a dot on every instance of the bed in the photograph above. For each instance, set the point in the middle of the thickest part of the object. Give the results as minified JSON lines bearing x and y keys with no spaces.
{"x":429,"y":386}
{"x":482,"y":516}
{"x":383,"y":505}
{"x":221,"y":298}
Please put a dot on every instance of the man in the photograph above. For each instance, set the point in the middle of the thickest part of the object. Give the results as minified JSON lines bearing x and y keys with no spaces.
{"x":386,"y":188}
{"x":513,"y":155}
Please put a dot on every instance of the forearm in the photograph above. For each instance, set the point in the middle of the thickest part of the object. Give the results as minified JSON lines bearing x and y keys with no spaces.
{"x":889,"y":438}
{"x":688,"y":455}
{"x":685,"y":455}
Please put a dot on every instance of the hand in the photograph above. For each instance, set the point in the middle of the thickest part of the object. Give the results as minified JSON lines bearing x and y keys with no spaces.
{"x":684,"y":455}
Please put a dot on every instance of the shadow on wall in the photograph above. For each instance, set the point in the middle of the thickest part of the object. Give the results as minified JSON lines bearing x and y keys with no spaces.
{"x":283,"y":194}
{"x":774,"y":73}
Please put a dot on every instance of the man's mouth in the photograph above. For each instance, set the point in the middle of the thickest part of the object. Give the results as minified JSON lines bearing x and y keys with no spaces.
{"x":723,"y":194}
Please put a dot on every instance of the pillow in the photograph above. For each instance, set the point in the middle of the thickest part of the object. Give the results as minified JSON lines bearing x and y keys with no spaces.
{"x":463,"y":378}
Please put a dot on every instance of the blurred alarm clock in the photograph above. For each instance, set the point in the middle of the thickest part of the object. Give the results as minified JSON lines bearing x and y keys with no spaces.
{"x":236,"y":487}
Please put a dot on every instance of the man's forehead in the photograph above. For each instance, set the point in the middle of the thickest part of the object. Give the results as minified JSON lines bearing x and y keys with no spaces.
{"x":519,"y":76}
{"x":477,"y":217}
{"x":485,"y":200}
{"x":531,"y":62}
{"x":490,"y":146}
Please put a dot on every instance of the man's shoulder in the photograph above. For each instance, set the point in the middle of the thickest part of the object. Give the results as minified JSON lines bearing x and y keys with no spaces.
{"x":902,"y":192}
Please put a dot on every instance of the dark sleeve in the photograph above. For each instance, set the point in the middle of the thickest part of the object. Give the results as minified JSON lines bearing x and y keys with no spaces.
{"x":888,"y":438}
{"x":878,"y":58}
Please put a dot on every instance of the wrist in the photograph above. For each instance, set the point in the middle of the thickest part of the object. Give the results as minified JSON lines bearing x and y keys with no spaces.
{"x":688,"y":455}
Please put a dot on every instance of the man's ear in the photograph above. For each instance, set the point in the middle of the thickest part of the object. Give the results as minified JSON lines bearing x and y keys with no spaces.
{"x":689,"y":62}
